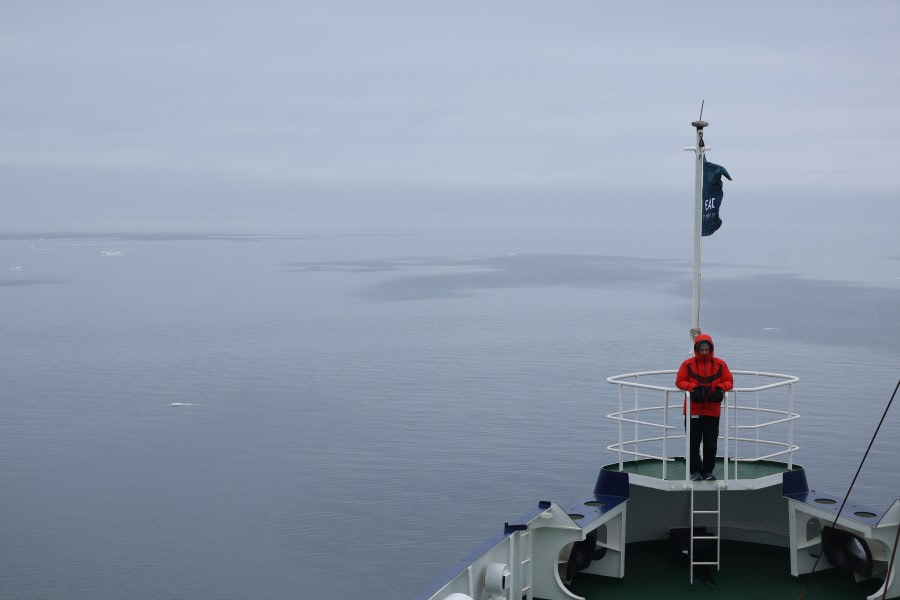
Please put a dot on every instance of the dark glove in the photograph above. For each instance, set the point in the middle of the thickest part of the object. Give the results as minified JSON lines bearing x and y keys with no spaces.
{"x":699,"y":394}
{"x":717,"y":395}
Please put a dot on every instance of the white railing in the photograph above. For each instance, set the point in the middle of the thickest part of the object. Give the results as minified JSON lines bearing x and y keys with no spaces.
{"x":743,"y":423}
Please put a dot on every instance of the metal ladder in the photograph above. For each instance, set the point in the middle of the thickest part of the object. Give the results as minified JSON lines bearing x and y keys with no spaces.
{"x":525,"y":571}
{"x":717,"y":536}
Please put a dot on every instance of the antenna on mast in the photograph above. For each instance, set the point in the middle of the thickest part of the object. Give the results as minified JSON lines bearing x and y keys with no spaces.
{"x":699,"y":124}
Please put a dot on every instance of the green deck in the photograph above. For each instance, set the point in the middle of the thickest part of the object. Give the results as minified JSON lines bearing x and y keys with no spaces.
{"x":675,"y":469}
{"x":749,"y":571}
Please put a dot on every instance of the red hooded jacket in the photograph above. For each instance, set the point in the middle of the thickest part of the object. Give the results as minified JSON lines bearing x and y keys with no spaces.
{"x":704,"y":370}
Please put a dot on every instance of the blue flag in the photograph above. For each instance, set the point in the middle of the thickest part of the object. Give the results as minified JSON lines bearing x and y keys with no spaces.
{"x":712,"y":196}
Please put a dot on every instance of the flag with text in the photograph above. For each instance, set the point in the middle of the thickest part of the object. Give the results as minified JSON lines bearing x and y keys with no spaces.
{"x":712,"y":196}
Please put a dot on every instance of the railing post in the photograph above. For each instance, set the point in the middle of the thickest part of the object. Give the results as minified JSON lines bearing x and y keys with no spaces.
{"x":790,"y":427}
{"x":637,"y":416}
{"x":621,"y":408}
{"x":665,"y":451}
{"x":757,"y":417}
{"x":687,"y":436}
{"x":736,"y":430}
{"x":725,"y":454}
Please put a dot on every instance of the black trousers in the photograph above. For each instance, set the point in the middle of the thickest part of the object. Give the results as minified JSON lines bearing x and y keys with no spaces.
{"x":705,"y":431}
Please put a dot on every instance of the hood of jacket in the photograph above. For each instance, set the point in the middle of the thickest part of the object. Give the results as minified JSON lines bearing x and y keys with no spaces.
{"x":704,"y":338}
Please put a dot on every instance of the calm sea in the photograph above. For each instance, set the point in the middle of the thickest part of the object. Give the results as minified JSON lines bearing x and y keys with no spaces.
{"x":272,"y":408}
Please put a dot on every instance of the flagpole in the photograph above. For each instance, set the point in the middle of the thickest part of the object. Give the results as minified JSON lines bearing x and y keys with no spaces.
{"x":699,"y":150}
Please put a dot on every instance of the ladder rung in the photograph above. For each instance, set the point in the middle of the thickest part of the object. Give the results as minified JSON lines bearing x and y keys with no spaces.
{"x":694,"y":538}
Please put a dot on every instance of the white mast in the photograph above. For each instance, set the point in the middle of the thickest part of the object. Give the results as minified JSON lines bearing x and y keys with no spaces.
{"x":698,"y":150}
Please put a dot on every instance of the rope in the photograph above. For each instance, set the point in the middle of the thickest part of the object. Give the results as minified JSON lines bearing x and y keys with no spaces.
{"x":847,"y":496}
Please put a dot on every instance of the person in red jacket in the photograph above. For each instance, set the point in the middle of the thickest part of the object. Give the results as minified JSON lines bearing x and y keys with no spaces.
{"x":706,"y":378}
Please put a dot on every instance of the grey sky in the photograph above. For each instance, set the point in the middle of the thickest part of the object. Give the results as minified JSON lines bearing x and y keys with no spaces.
{"x":120,"y":104}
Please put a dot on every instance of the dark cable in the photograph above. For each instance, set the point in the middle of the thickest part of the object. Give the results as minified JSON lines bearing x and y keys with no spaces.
{"x":847,"y":496}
